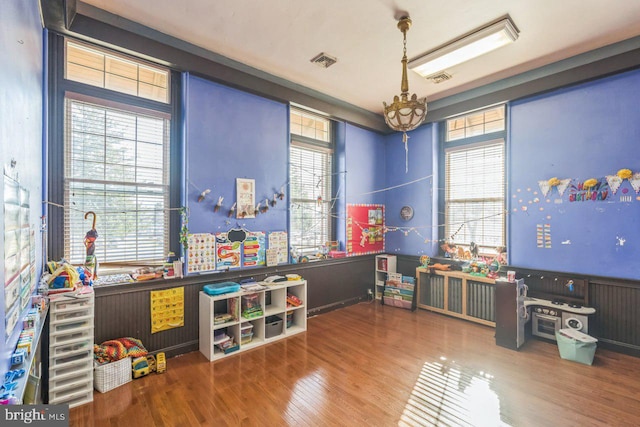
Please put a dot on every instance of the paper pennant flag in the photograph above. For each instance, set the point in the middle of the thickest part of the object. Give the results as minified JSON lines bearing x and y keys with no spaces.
{"x":614,"y":182}
{"x":564,"y":183}
{"x":544,"y":187}
{"x":635,"y":182}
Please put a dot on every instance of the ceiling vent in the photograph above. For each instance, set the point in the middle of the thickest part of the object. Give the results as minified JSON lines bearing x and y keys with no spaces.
{"x":439,"y":77}
{"x":323,"y":60}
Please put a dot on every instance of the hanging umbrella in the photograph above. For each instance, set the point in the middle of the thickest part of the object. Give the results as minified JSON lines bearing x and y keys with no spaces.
{"x":90,"y":262}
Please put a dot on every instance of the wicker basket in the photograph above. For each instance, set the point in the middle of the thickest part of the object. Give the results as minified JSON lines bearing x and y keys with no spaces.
{"x":111,"y":375}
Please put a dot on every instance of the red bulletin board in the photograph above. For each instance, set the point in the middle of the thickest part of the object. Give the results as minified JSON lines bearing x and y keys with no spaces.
{"x":365,"y":225}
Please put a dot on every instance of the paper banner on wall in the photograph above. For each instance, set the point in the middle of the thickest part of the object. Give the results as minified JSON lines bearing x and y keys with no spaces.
{"x":635,"y":182}
{"x":201,"y":253}
{"x":544,"y":187}
{"x":167,"y":309}
{"x":564,"y":183}
{"x":614,"y":182}
{"x":279,"y":243}
{"x":365,"y":229}
{"x":228,"y":253}
{"x":254,"y":249}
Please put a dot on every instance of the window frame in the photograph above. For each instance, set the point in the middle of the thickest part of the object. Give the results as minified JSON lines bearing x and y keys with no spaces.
{"x":325,"y":147}
{"x":469,"y":143}
{"x":58,"y":88}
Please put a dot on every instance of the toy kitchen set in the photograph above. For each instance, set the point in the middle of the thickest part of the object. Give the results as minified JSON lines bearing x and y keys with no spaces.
{"x":539,"y":307}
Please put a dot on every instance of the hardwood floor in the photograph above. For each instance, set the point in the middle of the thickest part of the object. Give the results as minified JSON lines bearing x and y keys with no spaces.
{"x":371,"y":365}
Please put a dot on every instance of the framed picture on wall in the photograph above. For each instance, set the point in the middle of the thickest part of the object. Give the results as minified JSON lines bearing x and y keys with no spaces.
{"x":245,"y":198}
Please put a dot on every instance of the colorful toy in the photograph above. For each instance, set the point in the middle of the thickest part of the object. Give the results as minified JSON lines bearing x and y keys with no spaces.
{"x":494,"y":268}
{"x":17,"y":358}
{"x":140,"y":367}
{"x":161,"y":363}
{"x":151,"y":361}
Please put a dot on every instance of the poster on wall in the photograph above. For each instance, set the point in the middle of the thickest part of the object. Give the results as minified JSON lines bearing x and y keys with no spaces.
{"x":201,"y":253}
{"x":245,"y":198}
{"x":228,"y":253}
{"x":167,"y":309}
{"x":254,"y":249}
{"x":365,"y":229}
{"x":279,"y":247}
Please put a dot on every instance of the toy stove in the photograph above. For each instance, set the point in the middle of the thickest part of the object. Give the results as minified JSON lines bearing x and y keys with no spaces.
{"x":551,"y":316}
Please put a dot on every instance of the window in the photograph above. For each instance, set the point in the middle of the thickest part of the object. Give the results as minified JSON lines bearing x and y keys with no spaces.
{"x":479,"y":123}
{"x":310,"y":182}
{"x":96,"y":67}
{"x":474,"y":170}
{"x":116,"y":165}
{"x":111,"y":153}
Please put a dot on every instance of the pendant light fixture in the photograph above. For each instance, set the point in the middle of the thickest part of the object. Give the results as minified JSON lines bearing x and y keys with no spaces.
{"x":405,"y":114}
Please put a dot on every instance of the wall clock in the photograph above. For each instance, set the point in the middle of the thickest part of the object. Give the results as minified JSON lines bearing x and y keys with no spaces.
{"x":406,"y":213}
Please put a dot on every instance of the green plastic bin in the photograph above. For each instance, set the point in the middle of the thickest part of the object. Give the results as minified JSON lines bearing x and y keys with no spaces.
{"x":576,"y":346}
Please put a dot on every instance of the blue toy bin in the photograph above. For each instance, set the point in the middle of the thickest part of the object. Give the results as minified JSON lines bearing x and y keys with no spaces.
{"x":576,"y":346}
{"x":221,"y":288}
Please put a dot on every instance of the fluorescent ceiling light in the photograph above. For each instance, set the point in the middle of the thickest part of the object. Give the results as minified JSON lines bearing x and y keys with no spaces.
{"x":477,"y":43}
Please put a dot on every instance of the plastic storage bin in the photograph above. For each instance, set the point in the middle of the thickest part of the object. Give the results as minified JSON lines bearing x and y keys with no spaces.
{"x":576,"y":346}
{"x":272,"y":326}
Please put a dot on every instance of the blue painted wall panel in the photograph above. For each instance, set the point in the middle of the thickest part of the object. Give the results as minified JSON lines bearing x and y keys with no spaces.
{"x":233,"y":134}
{"x":414,"y":188}
{"x":587,"y":131}
{"x":365,"y":164}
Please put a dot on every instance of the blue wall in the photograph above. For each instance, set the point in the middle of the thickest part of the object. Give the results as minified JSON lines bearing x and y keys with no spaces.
{"x":587,"y":131}
{"x":413,"y":237}
{"x":233,"y":134}
{"x":21,"y":110}
{"x":366,"y":166}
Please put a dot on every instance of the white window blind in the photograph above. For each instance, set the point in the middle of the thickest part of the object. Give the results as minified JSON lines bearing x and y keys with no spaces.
{"x":116,"y":165}
{"x":474,"y":194}
{"x":310,"y":187}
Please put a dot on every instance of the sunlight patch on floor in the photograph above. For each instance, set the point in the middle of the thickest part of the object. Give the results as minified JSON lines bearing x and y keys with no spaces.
{"x":446,"y":394}
{"x":307,"y":396}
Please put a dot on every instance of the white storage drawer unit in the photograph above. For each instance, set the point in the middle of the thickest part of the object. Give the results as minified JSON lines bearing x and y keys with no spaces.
{"x":71,"y":348}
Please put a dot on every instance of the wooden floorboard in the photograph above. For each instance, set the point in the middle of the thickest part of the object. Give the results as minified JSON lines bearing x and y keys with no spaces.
{"x":373,"y":365}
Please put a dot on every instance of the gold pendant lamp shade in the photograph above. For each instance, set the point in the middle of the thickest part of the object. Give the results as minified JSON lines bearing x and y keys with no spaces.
{"x":405,"y":113}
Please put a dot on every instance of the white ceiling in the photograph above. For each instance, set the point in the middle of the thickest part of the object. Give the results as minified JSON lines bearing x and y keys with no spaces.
{"x":280,"y":37}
